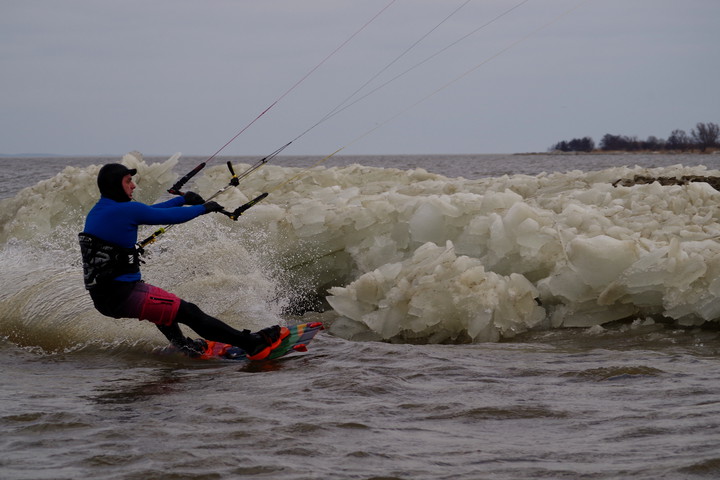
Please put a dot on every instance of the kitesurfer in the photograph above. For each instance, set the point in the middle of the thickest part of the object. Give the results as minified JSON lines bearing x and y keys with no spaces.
{"x":111,"y":266}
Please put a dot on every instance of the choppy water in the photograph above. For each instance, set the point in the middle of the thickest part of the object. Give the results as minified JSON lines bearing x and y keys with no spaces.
{"x":83,"y":396}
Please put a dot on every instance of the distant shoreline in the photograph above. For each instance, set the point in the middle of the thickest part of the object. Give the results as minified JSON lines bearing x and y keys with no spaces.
{"x":709,"y":151}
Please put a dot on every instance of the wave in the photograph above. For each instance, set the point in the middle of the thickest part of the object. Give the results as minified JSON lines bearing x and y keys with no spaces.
{"x":399,"y":255}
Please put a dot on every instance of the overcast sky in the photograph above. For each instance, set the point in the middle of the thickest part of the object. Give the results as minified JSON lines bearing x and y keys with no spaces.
{"x":163,"y":76}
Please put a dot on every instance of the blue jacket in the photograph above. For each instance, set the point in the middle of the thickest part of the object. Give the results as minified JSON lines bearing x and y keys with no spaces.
{"x":117,"y":222}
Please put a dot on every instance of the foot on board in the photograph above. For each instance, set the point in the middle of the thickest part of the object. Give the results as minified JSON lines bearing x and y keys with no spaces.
{"x":268,"y":339}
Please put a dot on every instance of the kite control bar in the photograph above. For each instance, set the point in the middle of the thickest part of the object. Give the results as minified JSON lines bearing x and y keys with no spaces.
{"x":175,"y":189}
{"x":234,"y":215}
{"x":234,"y":182}
{"x":241,"y":209}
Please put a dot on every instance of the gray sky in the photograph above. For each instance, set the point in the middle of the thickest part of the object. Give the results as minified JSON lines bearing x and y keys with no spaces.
{"x":163,"y":76}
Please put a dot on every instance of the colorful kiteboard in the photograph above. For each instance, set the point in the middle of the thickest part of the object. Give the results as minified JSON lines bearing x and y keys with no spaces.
{"x":292,"y":339}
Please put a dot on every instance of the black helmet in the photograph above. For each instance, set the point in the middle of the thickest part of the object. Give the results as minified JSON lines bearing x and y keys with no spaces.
{"x":109,"y":181}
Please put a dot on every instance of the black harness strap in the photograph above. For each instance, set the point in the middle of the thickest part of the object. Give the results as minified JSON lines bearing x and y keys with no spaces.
{"x":104,"y":261}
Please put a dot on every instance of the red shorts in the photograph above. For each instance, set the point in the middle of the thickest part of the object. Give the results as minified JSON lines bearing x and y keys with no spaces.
{"x":147,"y":302}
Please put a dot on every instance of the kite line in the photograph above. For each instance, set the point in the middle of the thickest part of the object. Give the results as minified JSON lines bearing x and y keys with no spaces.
{"x":176,"y":189}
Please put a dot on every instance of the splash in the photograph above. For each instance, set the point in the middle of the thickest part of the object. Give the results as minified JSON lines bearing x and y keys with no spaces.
{"x":42,"y":297}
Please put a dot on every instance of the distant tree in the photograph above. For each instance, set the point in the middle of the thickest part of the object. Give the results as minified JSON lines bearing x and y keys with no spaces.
{"x":705,"y":135}
{"x":611,"y":142}
{"x":561,"y":146}
{"x":633,"y":143}
{"x":678,"y":140}
{"x":585,"y":144}
{"x":653,"y":143}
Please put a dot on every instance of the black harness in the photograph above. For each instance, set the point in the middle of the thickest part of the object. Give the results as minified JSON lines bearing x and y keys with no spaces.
{"x":103,"y":261}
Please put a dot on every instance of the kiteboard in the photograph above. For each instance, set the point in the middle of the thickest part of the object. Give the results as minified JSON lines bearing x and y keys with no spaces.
{"x":294,"y":338}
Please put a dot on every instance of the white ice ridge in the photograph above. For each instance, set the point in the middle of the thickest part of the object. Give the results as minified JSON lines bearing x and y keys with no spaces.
{"x":410,"y":255}
{"x":594,"y":252}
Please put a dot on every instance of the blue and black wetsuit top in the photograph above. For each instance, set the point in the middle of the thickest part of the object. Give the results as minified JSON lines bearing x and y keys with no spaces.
{"x":111,"y":228}
{"x":111,"y":231}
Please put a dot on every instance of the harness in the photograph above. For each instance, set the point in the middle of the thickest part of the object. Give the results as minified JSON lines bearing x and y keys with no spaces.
{"x":103,"y":261}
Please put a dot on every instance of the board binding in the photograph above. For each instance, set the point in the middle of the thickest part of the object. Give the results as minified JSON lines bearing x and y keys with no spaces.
{"x":294,"y":338}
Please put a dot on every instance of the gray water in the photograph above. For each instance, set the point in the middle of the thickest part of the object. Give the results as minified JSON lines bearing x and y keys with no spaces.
{"x":632,"y":400}
{"x":20,"y":172}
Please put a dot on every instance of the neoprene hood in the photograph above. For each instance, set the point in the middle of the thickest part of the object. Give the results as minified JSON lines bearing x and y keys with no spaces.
{"x":109,"y":181}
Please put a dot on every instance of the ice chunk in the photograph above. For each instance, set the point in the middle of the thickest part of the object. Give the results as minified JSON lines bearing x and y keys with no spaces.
{"x":600,"y":260}
{"x":436,"y":294}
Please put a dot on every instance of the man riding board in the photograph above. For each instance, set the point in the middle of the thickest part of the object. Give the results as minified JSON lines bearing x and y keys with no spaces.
{"x":111,"y":267}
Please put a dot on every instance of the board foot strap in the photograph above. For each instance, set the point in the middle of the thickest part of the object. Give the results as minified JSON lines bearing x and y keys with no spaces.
{"x":265,"y":352}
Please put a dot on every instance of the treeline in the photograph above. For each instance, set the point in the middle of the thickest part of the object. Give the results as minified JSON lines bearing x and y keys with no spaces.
{"x":703,"y":137}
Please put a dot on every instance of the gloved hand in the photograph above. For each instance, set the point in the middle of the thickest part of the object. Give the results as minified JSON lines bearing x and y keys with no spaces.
{"x":192,"y":198}
{"x":212,"y":207}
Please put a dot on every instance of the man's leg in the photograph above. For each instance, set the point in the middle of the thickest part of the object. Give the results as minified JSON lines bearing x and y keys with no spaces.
{"x":211,"y":328}
{"x":173,"y":333}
